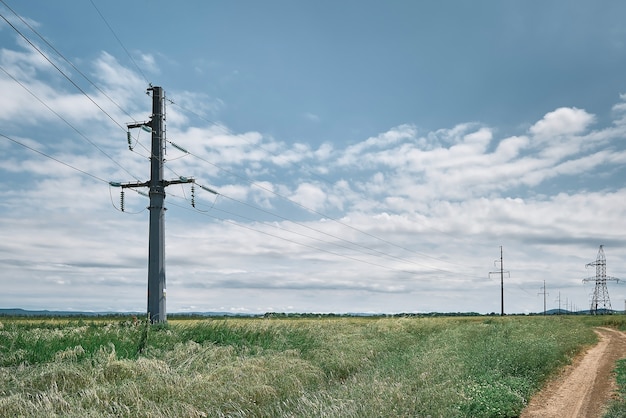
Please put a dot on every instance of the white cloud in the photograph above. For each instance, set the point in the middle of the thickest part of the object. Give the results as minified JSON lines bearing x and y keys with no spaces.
{"x":296,"y":154}
{"x":109,"y":71}
{"x":511,"y":147}
{"x":25,"y":63}
{"x":562,"y":121}
{"x":412,"y":216}
{"x":324,"y":152}
{"x":148,"y":62}
{"x":385,"y":139}
{"x":310,"y":196}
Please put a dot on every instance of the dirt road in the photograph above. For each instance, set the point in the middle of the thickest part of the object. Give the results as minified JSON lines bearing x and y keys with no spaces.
{"x":583,"y":388}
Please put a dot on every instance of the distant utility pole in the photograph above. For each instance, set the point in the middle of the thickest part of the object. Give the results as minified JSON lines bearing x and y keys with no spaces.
{"x":156,"y":247}
{"x":600,"y":303}
{"x":501,"y":272}
{"x":544,"y":297}
{"x":559,"y":300}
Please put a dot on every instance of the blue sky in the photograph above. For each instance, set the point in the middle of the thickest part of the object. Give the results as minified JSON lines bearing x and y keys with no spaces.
{"x":369,"y":156}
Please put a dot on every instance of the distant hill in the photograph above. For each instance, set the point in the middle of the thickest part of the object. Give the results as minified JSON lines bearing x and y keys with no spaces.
{"x":18,"y":312}
{"x":583,"y":312}
{"x":47,"y":313}
{"x":24,"y":312}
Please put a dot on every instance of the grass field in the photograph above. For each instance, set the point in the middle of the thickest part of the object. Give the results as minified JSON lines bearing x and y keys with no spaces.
{"x":255,"y":367}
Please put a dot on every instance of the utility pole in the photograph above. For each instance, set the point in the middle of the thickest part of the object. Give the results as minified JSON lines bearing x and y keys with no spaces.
{"x":600,"y":303}
{"x":559,"y":300}
{"x":501,"y":261}
{"x":156,"y":241}
{"x":544,"y":297}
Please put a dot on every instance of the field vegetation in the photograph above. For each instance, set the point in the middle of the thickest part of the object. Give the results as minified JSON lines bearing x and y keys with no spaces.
{"x":617,"y":407}
{"x":283,"y":367}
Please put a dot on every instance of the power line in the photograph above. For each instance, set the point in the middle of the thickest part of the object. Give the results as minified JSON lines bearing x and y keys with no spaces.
{"x":59,"y":69}
{"x":120,"y":42}
{"x":67,"y":60}
{"x":53,"y":158}
{"x":251,"y":182}
{"x":255,"y":184}
{"x":270,"y":152}
{"x":374,"y":252}
{"x":66,"y":121}
{"x":156,"y":267}
{"x":296,"y":242}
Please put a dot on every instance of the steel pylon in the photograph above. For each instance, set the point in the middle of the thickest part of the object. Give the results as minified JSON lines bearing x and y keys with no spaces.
{"x":600,"y":303}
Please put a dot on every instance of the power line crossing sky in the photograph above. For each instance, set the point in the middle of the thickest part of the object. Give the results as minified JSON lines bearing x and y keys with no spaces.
{"x":368,"y":156}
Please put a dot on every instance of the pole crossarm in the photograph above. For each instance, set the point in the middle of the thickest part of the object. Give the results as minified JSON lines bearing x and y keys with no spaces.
{"x":181,"y":180}
{"x":129,"y":185}
{"x":139,"y":125}
{"x":607,"y":278}
{"x":165,"y":183}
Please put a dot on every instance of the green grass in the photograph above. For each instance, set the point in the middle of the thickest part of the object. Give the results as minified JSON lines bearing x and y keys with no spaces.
{"x":330,"y":367}
{"x":617,"y":407}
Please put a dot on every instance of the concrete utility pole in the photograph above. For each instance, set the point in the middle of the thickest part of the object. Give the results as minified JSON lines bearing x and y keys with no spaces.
{"x":156,"y":246}
{"x":501,"y":261}
{"x":544,"y":297}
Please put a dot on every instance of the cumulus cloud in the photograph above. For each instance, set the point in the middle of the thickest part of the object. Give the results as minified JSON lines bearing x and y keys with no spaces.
{"x":383,"y":140}
{"x":112,"y":74}
{"x":511,"y":147}
{"x":310,"y":196}
{"x":405,"y":211}
{"x":561,"y":122}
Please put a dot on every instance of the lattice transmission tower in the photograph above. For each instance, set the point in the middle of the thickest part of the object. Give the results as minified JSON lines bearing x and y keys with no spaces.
{"x":600,"y":303}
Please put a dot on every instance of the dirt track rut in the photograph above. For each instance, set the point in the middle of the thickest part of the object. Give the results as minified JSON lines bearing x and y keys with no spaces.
{"x":582,"y":389}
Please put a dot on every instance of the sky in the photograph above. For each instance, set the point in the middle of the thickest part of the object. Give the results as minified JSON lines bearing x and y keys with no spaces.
{"x":367,"y":156}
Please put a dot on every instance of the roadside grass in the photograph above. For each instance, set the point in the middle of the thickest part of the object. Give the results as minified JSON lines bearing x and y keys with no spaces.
{"x":253,"y":367}
{"x":612,"y":321}
{"x":617,"y":406}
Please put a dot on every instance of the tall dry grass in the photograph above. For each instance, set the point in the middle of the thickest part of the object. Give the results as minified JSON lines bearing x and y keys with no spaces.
{"x":345,"y":367}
